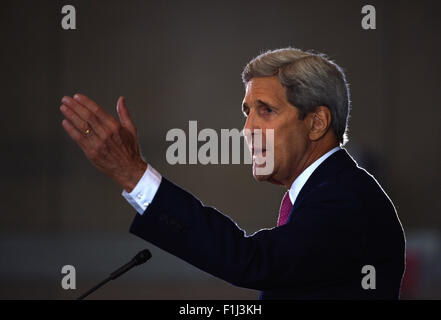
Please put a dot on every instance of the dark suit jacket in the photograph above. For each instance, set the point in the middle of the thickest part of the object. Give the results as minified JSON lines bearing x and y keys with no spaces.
{"x":341,"y":221}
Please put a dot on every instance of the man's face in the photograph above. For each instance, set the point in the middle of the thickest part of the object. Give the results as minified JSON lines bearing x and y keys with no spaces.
{"x":266,"y":107}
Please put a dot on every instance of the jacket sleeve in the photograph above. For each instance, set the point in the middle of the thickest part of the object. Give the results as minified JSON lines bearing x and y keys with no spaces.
{"x":309,"y":249}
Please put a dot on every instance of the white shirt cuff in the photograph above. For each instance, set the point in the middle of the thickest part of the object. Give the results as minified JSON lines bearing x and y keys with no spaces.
{"x":144,"y":192}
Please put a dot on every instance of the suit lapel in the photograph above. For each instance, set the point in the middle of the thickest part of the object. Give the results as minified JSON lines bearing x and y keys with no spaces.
{"x":321,"y":176}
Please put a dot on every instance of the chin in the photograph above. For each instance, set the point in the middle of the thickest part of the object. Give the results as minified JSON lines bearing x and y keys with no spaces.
{"x":271,"y":178}
{"x":262,"y":177}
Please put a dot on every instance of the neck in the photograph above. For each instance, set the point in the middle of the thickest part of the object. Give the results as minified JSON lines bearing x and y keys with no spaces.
{"x":313,"y":152}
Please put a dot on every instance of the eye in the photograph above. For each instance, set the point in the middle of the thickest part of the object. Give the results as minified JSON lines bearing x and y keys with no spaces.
{"x":266,"y":110}
{"x":245,"y":111}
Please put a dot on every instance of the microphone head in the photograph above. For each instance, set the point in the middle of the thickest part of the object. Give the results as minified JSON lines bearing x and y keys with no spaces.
{"x":142,"y":256}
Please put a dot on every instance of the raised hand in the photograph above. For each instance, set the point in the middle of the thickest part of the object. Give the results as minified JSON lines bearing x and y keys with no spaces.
{"x":110,"y":145}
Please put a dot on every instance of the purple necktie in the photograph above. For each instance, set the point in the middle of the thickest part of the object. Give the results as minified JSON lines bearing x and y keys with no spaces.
{"x":285,"y":209}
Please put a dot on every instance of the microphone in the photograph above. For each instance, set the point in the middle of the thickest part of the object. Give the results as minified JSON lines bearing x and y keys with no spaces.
{"x":140,"y":258}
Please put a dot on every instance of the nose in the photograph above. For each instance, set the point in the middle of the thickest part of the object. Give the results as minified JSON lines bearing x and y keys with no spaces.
{"x":251,"y":123}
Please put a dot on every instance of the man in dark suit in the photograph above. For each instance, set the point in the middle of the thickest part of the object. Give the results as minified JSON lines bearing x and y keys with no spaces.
{"x":335,"y":220}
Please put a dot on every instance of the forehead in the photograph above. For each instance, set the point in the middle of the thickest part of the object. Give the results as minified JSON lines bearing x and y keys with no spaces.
{"x":265,"y":87}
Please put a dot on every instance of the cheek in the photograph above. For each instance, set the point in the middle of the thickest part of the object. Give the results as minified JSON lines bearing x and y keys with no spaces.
{"x":286,"y":136}
{"x":288,"y":142}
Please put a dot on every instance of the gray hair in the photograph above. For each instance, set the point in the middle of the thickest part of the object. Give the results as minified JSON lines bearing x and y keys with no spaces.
{"x":310,"y":79}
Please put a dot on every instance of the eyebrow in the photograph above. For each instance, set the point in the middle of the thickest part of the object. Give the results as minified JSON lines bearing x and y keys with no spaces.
{"x":266,"y":104}
{"x":260,"y":102}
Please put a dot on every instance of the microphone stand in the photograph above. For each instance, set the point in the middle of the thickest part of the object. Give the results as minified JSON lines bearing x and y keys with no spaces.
{"x":140,"y":258}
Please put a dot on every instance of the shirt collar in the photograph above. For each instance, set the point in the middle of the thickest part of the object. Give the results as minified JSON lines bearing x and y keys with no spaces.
{"x":300,"y":181}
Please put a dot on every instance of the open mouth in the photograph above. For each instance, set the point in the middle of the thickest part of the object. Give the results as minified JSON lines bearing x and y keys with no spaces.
{"x":258,"y":152}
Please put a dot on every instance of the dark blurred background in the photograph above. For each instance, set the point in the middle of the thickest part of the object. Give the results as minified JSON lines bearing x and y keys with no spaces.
{"x":177,"y":61}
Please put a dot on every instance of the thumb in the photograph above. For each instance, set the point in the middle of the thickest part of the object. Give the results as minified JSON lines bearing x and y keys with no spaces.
{"x":124,"y":116}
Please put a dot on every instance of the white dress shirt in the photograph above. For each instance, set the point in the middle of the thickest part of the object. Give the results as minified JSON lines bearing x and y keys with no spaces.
{"x":144,"y":192}
{"x":300,"y":181}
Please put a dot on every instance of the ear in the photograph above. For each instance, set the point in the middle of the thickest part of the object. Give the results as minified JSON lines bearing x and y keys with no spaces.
{"x":319,"y":122}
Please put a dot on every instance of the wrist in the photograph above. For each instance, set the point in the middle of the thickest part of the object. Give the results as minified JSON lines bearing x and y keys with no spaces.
{"x":132,"y":179}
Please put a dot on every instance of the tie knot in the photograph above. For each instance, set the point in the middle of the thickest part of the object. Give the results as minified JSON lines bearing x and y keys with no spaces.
{"x":285,"y":210}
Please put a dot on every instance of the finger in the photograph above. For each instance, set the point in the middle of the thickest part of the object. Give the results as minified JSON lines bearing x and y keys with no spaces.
{"x":86,"y":129}
{"x":76,"y":135}
{"x":74,"y":119}
{"x":81,"y":126}
{"x":81,"y":117}
{"x":105,"y":118}
{"x":80,"y":139}
{"x":124,"y":115}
